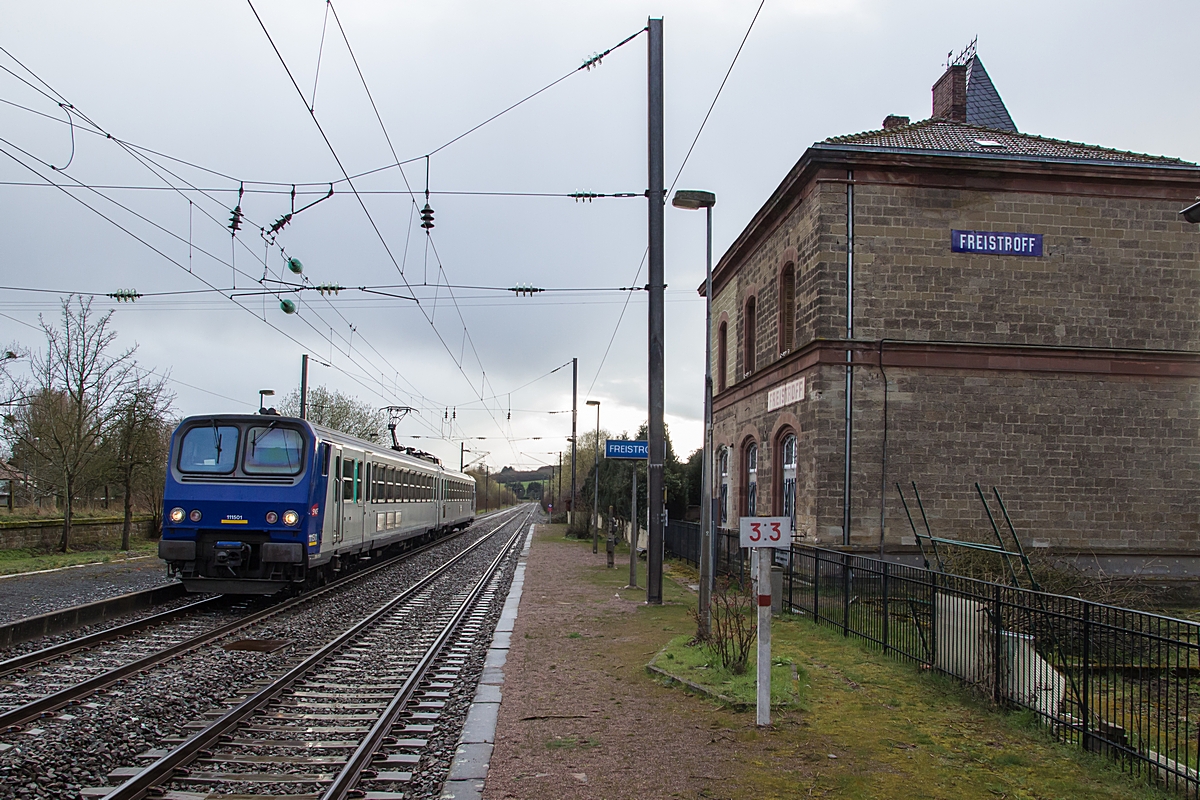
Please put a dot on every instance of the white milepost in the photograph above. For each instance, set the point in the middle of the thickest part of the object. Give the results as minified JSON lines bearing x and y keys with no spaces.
{"x":762,"y":534}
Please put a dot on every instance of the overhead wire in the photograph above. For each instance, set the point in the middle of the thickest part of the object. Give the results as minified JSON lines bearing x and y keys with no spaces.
{"x":143,"y":160}
{"x":683,"y":164}
{"x":429,"y":242}
{"x":346,"y":178}
{"x":357,"y":379}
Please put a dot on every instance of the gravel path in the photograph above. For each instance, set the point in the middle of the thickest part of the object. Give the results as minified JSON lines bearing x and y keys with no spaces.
{"x":580,"y":718}
{"x":28,"y":595}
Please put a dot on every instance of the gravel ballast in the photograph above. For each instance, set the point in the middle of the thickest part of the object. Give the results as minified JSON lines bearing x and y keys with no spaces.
{"x":80,"y":747}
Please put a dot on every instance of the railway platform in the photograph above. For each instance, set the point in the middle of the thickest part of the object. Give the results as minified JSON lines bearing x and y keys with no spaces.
{"x":578,"y":715}
{"x":31,"y":594}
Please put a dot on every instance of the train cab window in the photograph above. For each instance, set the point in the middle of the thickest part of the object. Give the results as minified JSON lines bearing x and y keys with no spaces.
{"x":348,"y":479}
{"x":209,"y":448}
{"x":273,"y":451}
{"x":326,"y":449}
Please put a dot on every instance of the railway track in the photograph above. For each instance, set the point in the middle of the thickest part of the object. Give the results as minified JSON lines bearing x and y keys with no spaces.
{"x":353,"y":718}
{"x":38,"y":684}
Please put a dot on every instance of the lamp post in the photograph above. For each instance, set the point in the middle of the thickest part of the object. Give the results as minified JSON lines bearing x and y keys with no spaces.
{"x":262,"y":402}
{"x":692,"y":200}
{"x":596,"y":482}
{"x":1191,"y":213}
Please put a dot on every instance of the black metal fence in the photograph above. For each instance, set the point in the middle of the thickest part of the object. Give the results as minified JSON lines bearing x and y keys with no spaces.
{"x":1114,"y":681}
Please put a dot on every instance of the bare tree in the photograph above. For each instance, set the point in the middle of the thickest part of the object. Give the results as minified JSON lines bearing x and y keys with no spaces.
{"x":135,"y":440}
{"x":70,"y":399}
{"x":341,"y":412}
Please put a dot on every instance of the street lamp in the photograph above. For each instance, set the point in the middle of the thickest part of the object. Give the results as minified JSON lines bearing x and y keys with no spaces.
{"x":262,"y":402}
{"x":596,"y":482}
{"x":693,"y":200}
{"x":1191,"y":213}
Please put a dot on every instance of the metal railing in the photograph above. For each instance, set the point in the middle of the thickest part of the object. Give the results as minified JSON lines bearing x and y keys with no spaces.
{"x":1114,"y":681}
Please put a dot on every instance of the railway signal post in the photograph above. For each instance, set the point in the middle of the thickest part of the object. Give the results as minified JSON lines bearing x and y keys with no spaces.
{"x":762,"y":535}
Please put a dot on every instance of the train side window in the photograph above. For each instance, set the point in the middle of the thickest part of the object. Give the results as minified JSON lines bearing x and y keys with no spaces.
{"x":358,"y":480}
{"x":325,"y":451}
{"x":348,"y":479}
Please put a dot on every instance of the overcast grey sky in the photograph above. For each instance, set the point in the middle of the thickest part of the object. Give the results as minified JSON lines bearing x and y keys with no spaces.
{"x":199,"y":81}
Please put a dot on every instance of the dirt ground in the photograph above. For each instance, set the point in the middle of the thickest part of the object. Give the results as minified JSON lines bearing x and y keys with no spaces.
{"x":580,"y":717}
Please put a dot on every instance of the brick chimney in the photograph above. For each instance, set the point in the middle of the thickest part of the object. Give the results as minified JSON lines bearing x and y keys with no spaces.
{"x":950,"y":94}
{"x":894,"y":121}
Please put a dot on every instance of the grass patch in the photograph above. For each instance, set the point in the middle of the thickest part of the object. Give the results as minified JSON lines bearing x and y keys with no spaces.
{"x":17,"y":561}
{"x":894,"y":730}
{"x":699,"y":665}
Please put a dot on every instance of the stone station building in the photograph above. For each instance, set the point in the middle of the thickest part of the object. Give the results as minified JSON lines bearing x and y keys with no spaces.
{"x":950,"y":301}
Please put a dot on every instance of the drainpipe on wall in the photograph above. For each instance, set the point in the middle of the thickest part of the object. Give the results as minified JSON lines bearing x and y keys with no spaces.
{"x":846,"y":484}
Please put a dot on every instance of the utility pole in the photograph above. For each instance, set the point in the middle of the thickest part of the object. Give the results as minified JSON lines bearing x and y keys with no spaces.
{"x":462,"y":449}
{"x":655,"y":195}
{"x":574,"y":419}
{"x":486,"y":491}
{"x":304,"y":386}
{"x":633,"y":531}
{"x":595,"y":519}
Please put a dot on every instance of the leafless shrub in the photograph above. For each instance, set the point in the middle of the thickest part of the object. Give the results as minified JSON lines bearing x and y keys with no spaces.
{"x":733,"y":631}
{"x":1057,"y":575}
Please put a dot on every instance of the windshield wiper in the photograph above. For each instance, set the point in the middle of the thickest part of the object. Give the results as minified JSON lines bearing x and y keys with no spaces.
{"x":217,"y":439}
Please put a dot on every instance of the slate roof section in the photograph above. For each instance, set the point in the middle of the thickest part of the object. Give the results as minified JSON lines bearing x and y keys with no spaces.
{"x":933,"y":136}
{"x":984,"y":106}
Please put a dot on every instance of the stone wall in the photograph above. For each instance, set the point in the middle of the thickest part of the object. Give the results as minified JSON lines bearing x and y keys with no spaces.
{"x":1093,"y":452}
{"x":85,"y":534}
{"x":1117,"y":272}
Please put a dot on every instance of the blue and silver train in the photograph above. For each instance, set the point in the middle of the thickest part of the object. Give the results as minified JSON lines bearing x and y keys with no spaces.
{"x":258,"y":503}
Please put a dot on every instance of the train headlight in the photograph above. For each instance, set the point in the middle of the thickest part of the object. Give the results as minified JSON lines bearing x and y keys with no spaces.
{"x":290,"y":517}
{"x":176,"y":515}
{"x":272,"y":517}
{"x":195,"y":515}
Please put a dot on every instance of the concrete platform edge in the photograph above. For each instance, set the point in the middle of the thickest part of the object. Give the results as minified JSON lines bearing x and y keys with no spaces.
{"x":472,"y":756}
{"x":66,"y":619}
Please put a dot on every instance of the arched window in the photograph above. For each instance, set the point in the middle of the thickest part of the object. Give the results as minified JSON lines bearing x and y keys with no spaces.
{"x":787,"y":486}
{"x":750,"y":323}
{"x":787,"y":309}
{"x":722,"y":356}
{"x":723,"y":485}
{"x":750,"y":475}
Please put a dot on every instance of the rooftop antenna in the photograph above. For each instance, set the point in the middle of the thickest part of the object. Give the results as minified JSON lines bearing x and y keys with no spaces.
{"x":395,"y":414}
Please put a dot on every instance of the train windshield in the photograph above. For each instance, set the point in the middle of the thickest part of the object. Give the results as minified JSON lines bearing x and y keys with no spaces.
{"x":209,"y":448}
{"x":273,"y":451}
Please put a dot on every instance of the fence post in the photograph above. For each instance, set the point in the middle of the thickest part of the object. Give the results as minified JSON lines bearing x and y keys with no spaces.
{"x":1085,"y":692}
{"x":996,"y":642}
{"x":816,"y":609}
{"x":886,"y":615}
{"x":845,"y":594}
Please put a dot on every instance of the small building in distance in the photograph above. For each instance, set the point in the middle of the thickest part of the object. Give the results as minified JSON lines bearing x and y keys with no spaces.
{"x":952,"y":301}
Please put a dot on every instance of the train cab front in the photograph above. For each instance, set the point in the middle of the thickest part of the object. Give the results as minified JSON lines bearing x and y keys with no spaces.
{"x":242,"y":504}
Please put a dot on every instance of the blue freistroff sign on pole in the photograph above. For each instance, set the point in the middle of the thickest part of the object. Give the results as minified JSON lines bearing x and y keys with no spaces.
{"x":621,"y":448}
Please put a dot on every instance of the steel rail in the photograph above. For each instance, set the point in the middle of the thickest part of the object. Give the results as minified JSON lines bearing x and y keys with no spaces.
{"x":46,"y":705}
{"x":99,"y":637}
{"x":166,"y":767}
{"x":348,"y":778}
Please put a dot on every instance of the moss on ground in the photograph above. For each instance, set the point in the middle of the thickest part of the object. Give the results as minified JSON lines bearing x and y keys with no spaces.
{"x":858,"y":724}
